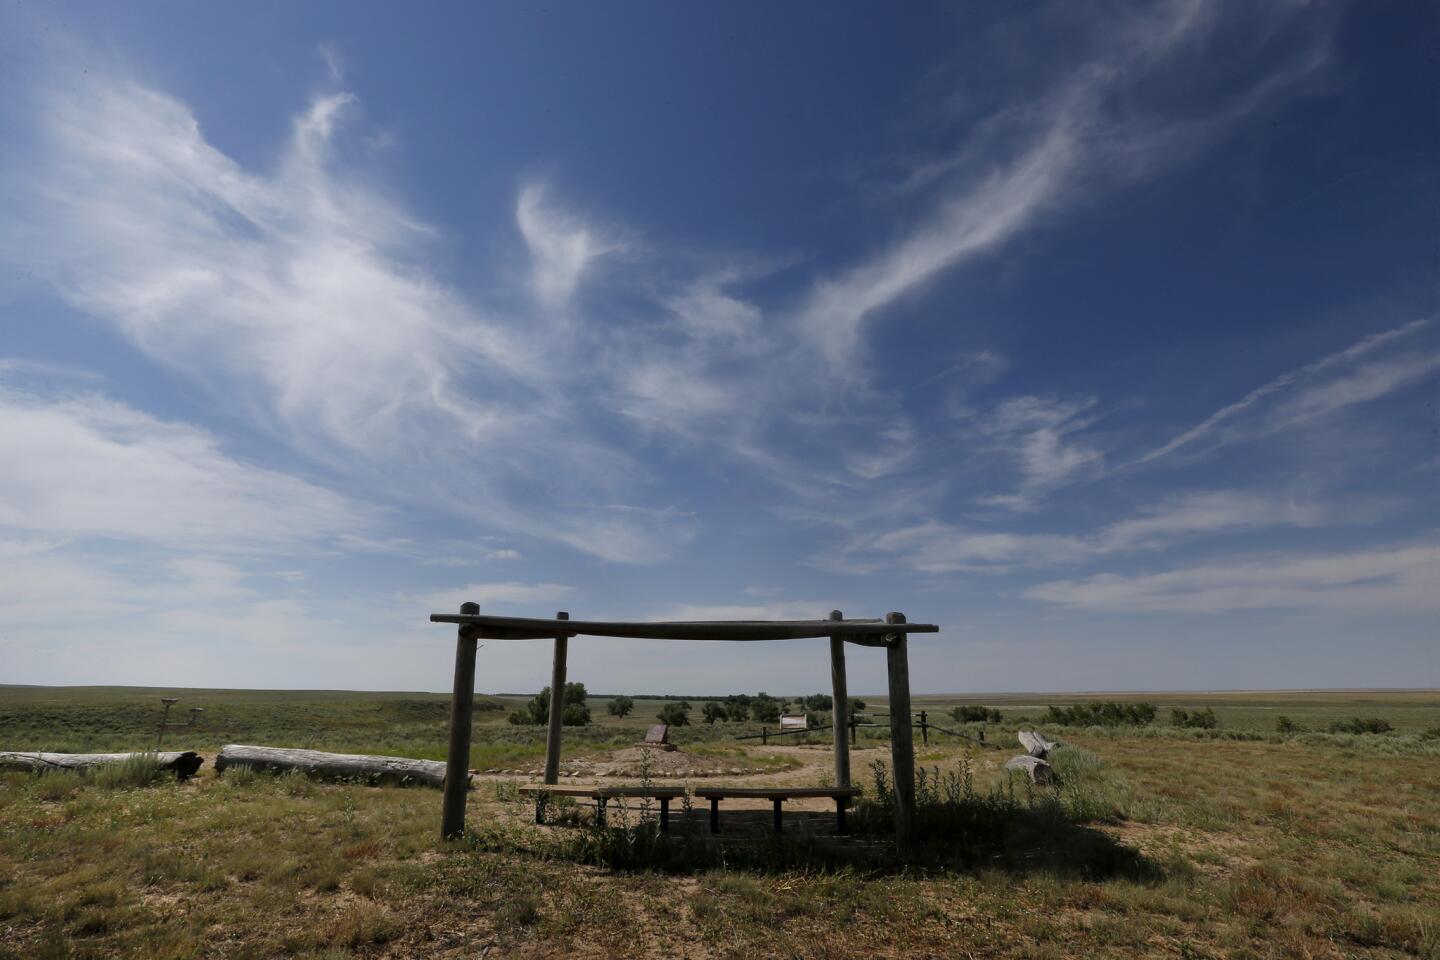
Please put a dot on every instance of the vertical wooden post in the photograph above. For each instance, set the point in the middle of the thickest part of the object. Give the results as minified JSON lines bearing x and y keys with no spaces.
{"x":557,"y":706}
{"x":840,"y":707}
{"x":924,"y":728}
{"x":462,"y":708}
{"x":902,"y":739}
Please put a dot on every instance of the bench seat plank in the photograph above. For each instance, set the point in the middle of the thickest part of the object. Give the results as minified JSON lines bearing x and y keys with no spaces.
{"x":776,"y":793}
{"x":596,"y":790}
{"x":602,"y":794}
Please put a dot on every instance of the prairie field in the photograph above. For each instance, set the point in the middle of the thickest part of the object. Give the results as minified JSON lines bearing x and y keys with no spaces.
{"x":1232,"y":841}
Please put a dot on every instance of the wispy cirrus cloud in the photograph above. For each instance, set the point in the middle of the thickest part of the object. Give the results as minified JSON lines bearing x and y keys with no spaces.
{"x":1396,"y":578}
{"x":1039,"y":433}
{"x":561,"y":246}
{"x":510,"y":594}
{"x":1029,"y":160}
{"x":936,"y":547}
{"x":775,"y":610}
{"x":1342,"y":379}
{"x":81,"y":465}
{"x":299,"y":297}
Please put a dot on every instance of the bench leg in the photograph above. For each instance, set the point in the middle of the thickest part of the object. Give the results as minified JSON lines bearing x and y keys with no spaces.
{"x":778,"y":826}
{"x":840,"y":815}
{"x":714,"y":814}
{"x":664,"y":813}
{"x":599,"y":811}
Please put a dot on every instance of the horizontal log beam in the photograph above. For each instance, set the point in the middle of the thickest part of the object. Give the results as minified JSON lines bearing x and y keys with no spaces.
{"x":333,"y":766}
{"x":868,"y":632}
{"x":183,"y":762}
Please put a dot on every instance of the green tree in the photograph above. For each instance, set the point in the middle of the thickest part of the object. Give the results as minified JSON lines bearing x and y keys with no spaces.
{"x":766,"y":710}
{"x":537,"y":711}
{"x":715,"y":711}
{"x":676,"y":713}
{"x":620,"y":706}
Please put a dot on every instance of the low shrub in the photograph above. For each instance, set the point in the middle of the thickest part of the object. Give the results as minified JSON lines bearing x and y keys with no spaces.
{"x":1198,"y":720}
{"x":1102,"y":713}
{"x":1361,"y":725}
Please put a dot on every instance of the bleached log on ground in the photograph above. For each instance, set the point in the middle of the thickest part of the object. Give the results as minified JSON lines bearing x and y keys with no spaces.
{"x":333,"y":766}
{"x":183,"y":762}
{"x":1035,"y":744}
{"x":1039,"y":771}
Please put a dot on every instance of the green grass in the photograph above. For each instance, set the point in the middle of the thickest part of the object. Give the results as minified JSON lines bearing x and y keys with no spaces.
{"x":1317,"y":845}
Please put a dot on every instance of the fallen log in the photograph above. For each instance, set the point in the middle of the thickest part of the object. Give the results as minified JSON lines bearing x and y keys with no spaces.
{"x":1039,"y":771}
{"x":1035,"y":744}
{"x":333,"y":766}
{"x":184,"y":762}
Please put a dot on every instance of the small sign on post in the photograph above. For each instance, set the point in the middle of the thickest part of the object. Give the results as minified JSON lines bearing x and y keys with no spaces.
{"x":165,"y":723}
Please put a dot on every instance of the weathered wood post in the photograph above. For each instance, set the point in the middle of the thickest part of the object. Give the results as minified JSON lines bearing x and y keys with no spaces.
{"x":924,"y":728}
{"x":462,"y":708}
{"x":840,"y":706}
{"x":764,"y":735}
{"x":902,"y":740}
{"x":557,"y":706}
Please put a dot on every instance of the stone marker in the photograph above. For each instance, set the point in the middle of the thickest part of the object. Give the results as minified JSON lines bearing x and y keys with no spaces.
{"x":658,"y":737}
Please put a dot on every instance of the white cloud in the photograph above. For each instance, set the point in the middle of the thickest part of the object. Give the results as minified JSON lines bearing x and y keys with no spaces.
{"x":1318,"y":388}
{"x":1035,"y":432}
{"x":786,"y":610}
{"x":84,"y":466}
{"x":509,"y":593}
{"x":1086,"y":129}
{"x":302,"y":299}
{"x":1209,"y":512}
{"x":1395,"y":579}
{"x":935,"y":547}
{"x":561,"y":246}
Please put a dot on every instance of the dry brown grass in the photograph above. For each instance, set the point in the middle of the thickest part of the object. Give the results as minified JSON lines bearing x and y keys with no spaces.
{"x":1327,"y":849}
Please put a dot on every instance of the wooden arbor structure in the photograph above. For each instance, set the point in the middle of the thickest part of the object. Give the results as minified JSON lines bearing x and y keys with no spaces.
{"x":889,"y":634}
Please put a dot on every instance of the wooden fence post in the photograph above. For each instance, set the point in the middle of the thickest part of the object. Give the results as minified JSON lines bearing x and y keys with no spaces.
{"x":840,"y":706}
{"x":462,"y":708}
{"x":902,"y":739}
{"x":924,"y":729}
{"x":764,"y":735}
{"x":557,"y":706}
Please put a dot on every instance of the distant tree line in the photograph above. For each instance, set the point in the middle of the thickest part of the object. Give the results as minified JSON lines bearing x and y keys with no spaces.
{"x":1104,"y":713}
{"x":765,"y":709}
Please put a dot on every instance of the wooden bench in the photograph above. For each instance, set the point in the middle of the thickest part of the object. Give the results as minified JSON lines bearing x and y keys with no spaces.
{"x":602,"y":795}
{"x":777,"y":796}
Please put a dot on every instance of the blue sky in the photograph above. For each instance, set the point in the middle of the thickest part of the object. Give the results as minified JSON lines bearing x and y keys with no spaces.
{"x":1104,"y":336}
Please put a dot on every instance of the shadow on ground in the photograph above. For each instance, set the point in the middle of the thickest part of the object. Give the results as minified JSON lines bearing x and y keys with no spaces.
{"x":1017,"y":841}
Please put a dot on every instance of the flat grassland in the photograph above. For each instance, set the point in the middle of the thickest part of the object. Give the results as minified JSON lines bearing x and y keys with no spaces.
{"x":1237,"y":841}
